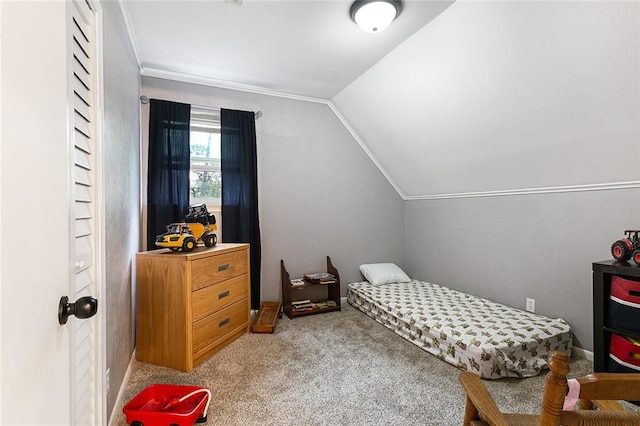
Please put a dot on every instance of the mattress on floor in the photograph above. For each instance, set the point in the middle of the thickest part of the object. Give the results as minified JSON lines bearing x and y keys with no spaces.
{"x":474,"y":334}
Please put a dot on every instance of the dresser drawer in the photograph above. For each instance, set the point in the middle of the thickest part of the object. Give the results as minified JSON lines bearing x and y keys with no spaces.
{"x":214,"y":297}
{"x":212,"y":328}
{"x":211,"y":270}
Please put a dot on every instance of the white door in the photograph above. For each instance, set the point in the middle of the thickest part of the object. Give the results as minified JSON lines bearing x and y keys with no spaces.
{"x":50,"y":374}
{"x":86,"y":406}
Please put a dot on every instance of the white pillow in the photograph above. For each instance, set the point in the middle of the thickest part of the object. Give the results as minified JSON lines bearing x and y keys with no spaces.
{"x":383,"y":273}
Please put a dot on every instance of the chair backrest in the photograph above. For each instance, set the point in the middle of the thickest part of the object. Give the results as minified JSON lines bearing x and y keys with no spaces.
{"x":555,"y":389}
{"x":599,"y":388}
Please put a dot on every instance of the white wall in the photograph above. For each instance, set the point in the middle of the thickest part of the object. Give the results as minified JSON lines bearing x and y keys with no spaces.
{"x":510,"y":95}
{"x":319,"y":192}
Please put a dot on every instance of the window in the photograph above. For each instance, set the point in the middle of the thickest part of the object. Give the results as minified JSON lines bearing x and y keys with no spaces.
{"x":206,"y":179}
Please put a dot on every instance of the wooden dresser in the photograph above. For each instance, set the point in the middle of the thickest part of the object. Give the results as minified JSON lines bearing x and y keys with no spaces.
{"x":190,"y":305}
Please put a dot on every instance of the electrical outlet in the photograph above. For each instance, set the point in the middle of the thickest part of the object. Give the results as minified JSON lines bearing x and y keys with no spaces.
{"x":531,"y":305}
{"x":106,"y":379}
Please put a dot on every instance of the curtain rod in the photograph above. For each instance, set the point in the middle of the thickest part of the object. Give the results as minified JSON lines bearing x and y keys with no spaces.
{"x":145,"y":100}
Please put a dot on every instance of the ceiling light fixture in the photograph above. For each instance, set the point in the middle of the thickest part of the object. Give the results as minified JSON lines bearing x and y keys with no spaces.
{"x":374,"y":16}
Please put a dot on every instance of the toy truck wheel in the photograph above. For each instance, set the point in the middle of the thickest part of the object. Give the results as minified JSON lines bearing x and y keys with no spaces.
{"x":210,"y":240}
{"x":136,"y":423}
{"x":636,"y":256}
{"x":620,"y":251}
{"x":189,"y":244}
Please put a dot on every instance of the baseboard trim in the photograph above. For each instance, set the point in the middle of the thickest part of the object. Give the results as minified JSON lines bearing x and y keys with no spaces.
{"x":583,"y":353}
{"x":123,"y":386}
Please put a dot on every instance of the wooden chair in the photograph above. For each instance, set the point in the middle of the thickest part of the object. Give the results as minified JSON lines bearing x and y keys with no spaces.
{"x":597,"y":390}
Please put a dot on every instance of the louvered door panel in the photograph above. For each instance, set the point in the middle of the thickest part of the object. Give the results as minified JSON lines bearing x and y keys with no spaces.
{"x":82,"y":67}
{"x":83,"y":280}
{"x":83,"y":159}
{"x":81,"y":142}
{"x":83,"y":228}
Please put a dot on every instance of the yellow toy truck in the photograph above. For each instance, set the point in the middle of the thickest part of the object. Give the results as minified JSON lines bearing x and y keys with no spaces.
{"x":199,"y":226}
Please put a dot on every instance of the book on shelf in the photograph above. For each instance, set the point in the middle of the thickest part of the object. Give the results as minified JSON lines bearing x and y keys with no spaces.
{"x":322,"y":305}
{"x":320,"y":278}
{"x":303,"y":305}
{"x":307,"y":306}
{"x":308,"y":309}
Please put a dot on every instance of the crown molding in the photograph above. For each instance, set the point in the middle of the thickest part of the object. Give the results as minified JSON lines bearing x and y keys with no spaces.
{"x":231,"y":85}
{"x":130,"y":32}
{"x":223,"y":84}
{"x":365,"y":148}
{"x":530,"y":191}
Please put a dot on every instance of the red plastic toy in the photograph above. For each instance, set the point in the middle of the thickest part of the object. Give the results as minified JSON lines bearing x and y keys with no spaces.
{"x":628,"y":247}
{"x":170,"y":405}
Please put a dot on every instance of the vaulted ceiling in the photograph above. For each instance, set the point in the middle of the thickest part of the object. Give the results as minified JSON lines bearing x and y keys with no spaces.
{"x":303,"y":47}
{"x":471,"y":98}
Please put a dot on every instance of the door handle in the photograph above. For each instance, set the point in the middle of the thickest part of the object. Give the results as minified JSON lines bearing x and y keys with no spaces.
{"x":83,"y":308}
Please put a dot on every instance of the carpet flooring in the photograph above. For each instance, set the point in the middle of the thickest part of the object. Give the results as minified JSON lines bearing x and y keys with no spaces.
{"x":338,"y":368}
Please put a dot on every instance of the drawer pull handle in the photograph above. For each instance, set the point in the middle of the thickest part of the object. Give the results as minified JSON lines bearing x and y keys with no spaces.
{"x":223,"y":267}
{"x":224,"y":321}
{"x":223,"y":294}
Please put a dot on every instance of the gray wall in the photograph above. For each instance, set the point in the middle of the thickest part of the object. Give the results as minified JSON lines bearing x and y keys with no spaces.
{"x":122,"y":192}
{"x":319,"y":192}
{"x":321,"y":195}
{"x":511,"y":96}
{"x":510,"y":248}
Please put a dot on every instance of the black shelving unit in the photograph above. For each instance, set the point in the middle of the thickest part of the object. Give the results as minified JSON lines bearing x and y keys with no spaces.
{"x":602,"y":273}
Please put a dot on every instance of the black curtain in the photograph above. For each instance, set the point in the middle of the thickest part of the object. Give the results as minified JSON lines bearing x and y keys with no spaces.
{"x":168,"y":173}
{"x":239,"y":166}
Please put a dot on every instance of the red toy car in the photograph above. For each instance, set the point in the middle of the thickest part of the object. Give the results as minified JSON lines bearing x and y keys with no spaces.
{"x":628,"y":247}
{"x":170,"y":405}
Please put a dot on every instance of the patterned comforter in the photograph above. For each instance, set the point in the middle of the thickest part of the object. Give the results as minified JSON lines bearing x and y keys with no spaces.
{"x":474,"y":334}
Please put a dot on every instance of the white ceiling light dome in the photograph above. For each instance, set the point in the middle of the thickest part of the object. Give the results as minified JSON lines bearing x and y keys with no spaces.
{"x":374,"y":16}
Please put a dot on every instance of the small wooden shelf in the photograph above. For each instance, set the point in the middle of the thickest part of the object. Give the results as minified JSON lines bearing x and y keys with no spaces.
{"x":310,"y":291}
